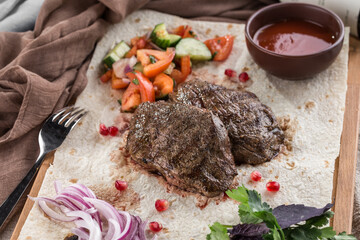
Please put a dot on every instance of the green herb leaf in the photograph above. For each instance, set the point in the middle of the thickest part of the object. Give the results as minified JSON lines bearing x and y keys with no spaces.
{"x":214,"y":54}
{"x":320,"y":220}
{"x":119,"y":101}
{"x":247,"y":216}
{"x":152,"y":59}
{"x":327,"y":232}
{"x":255,"y":202}
{"x":239,"y":194}
{"x":344,"y":236}
{"x":218,"y":232}
{"x":136,"y":81}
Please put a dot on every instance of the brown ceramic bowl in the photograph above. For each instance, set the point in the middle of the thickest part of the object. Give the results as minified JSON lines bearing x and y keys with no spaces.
{"x":287,"y":66}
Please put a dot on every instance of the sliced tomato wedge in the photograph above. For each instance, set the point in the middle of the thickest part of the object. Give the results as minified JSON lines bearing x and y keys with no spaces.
{"x":184,"y":31}
{"x":147,"y":91}
{"x":139,"y":42}
{"x":131,"y":98}
{"x":185,"y":66}
{"x":220,"y":47}
{"x":163,"y":85}
{"x":163,"y":60}
{"x":106,"y":76}
{"x":179,"y":30}
{"x":118,"y":83}
{"x":136,"y":43}
{"x":131,"y":76}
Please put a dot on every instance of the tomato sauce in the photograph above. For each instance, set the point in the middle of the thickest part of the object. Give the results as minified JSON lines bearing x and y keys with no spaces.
{"x":294,"y":37}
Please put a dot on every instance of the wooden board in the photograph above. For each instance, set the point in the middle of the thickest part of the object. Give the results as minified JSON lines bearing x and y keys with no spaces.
{"x":344,"y":175}
{"x":344,"y":186}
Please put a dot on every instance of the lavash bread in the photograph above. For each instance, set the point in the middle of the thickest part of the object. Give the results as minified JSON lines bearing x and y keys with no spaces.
{"x":310,"y":111}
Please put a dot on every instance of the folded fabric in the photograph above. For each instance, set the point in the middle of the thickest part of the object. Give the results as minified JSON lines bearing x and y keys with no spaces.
{"x":18,"y":15}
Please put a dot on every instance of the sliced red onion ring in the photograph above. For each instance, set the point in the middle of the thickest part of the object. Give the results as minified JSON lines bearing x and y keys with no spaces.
{"x":79,"y":204}
{"x":57,"y":185}
{"x":54,"y":215}
{"x":155,"y":46}
{"x":122,"y":66}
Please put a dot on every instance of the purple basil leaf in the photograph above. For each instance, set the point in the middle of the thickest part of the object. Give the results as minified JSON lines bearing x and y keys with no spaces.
{"x":288,"y":215}
{"x":248,"y":231}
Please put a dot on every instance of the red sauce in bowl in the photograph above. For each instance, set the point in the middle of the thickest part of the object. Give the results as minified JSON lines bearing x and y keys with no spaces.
{"x":294,"y":37}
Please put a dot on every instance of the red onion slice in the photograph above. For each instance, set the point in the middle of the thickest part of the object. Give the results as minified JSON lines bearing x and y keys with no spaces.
{"x":51,"y":213}
{"x":57,"y":185}
{"x":156,"y":47}
{"x":79,"y":204}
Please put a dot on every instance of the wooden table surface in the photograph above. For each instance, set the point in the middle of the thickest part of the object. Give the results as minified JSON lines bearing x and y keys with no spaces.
{"x":344,"y":174}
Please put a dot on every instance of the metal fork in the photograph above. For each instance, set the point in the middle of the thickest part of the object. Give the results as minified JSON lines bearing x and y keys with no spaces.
{"x":51,"y":136}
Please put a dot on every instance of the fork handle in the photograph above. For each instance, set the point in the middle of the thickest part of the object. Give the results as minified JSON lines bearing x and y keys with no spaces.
{"x":9,"y":204}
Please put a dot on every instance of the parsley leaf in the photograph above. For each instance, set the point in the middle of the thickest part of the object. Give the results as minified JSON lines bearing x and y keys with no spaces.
{"x":136,"y":81}
{"x":218,"y":232}
{"x":239,"y":194}
{"x":152,"y":59}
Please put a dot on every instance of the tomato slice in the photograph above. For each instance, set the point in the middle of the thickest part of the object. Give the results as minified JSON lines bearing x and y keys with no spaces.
{"x":131,"y":52}
{"x":184,"y":31}
{"x":163,"y":85}
{"x":136,"y":43}
{"x":131,"y":98}
{"x":220,"y":47}
{"x":179,"y":30}
{"x":131,"y":76}
{"x":106,"y":76}
{"x":163,"y":60}
{"x":185,"y":66}
{"x":118,"y":83}
{"x":139,"y":42}
{"x":147,"y":91}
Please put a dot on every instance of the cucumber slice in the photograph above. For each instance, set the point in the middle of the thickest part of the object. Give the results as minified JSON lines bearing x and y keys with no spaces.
{"x":162,"y":38}
{"x":138,"y":67}
{"x":110,"y":59}
{"x":121,"y":49}
{"x":159,"y":35}
{"x":196,"y":49}
{"x":116,"y":53}
{"x":174,"y":39}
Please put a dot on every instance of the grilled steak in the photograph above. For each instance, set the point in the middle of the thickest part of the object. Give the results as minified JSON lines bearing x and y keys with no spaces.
{"x":187,"y":145}
{"x":252,"y":127}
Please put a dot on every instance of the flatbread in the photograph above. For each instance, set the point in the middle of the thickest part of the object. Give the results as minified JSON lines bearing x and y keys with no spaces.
{"x":312,"y":111}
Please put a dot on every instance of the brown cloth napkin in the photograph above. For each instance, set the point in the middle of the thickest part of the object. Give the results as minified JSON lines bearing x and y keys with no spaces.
{"x":42,"y":70}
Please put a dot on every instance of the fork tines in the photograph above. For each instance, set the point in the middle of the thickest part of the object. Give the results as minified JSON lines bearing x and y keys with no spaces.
{"x":69,"y":116}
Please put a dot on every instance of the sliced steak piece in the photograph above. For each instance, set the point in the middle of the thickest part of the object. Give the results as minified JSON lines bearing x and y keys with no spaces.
{"x":254,"y":132}
{"x":187,"y":145}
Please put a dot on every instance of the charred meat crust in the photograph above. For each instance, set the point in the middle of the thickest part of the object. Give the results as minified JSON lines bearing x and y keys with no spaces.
{"x":253,"y":130}
{"x":187,"y":145}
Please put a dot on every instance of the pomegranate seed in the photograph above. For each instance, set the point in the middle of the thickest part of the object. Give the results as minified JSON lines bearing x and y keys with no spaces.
{"x":255,"y":176}
{"x":230,"y":73}
{"x":113,"y":131}
{"x":161,"y":205}
{"x":155,"y":226}
{"x":121,"y":185}
{"x":243,"y":77}
{"x":273,"y":186}
{"x":104,"y":130}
